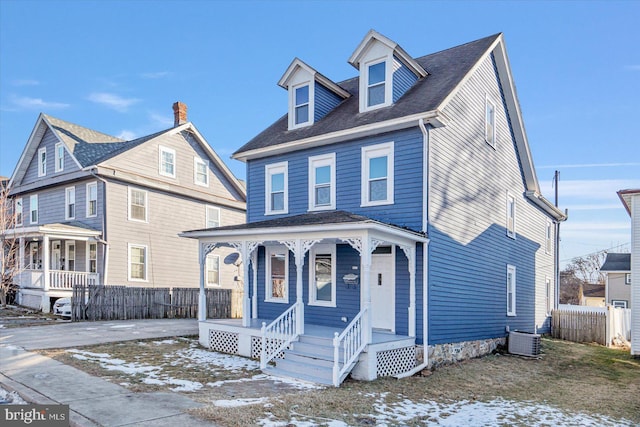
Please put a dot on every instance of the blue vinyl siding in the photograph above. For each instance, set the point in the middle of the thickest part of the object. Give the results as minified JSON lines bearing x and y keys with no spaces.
{"x":325,"y":101}
{"x":402,"y":293}
{"x":403,"y":79}
{"x":407,"y":208}
{"x":49,"y":142}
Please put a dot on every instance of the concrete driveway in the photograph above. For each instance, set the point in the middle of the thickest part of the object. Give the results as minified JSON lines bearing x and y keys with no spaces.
{"x":92,"y":401}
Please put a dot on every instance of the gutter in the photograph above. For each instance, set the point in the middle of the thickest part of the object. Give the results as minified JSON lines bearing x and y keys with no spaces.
{"x":546,"y":205}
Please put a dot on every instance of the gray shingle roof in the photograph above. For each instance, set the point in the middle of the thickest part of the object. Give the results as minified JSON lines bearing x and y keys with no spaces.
{"x":617,"y":262}
{"x":446,"y":69}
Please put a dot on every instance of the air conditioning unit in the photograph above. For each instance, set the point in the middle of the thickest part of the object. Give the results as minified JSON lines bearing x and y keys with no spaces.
{"x":524,"y":343}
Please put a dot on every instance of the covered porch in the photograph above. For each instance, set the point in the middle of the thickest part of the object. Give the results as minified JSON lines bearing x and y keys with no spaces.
{"x":52,"y":258}
{"x":328,"y":309}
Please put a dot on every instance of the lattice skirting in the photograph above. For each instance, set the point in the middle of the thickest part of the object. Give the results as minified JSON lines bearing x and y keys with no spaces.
{"x":223,"y":342}
{"x":396,"y":361}
{"x":256,"y":347}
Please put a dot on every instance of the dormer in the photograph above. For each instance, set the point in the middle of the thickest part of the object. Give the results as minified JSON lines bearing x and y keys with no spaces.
{"x":386,"y":71}
{"x":311,"y":95}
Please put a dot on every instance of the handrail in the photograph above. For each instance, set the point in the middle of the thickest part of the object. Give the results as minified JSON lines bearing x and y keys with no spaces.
{"x":285,"y":329}
{"x":353,"y":341}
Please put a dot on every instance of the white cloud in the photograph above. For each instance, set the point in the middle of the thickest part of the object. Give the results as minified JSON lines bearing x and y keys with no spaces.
{"x":26,"y":102}
{"x":25,"y":82}
{"x":161,"y":120}
{"x":127,"y":135}
{"x":595,"y":226}
{"x":112,"y":101}
{"x":589,"y":165}
{"x":155,"y":75}
{"x":590,"y":189}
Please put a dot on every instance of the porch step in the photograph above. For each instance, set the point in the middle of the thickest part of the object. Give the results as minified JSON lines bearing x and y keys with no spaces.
{"x":278,"y":372}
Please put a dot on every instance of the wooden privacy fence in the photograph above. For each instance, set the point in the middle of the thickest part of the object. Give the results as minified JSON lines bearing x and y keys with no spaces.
{"x":599,"y":325}
{"x":124,"y":302}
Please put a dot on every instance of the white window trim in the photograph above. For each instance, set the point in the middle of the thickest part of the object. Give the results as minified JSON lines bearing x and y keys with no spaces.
{"x":198,"y":161}
{"x":388,"y":82}
{"x":320,"y":161}
{"x":273,"y":169}
{"x":269,"y":250}
{"x":207,"y":210}
{"x":322,"y":249}
{"x":67,"y":201}
{"x":59,"y":167}
{"x":511,"y":233}
{"x":548,"y":295}
{"x":206,"y":282}
{"x":548,"y":242}
{"x":17,"y":202}
{"x":162,"y":150}
{"x":511,"y":269}
{"x":87,"y":249}
{"x":371,"y":151}
{"x":489,"y":102}
{"x":146,"y":206}
{"x":616,"y":303}
{"x":31,"y":205}
{"x":146,"y":263}
{"x":292,"y":105}
{"x":41,"y":171}
{"x":68,"y":244}
{"x":87,"y":195}
{"x":627,"y":278}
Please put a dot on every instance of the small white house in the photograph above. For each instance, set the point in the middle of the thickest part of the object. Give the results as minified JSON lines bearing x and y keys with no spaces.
{"x":631,"y":201}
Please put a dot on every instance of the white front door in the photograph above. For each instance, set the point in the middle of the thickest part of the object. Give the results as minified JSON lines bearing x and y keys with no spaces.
{"x":382,"y":282}
{"x":55,"y":256}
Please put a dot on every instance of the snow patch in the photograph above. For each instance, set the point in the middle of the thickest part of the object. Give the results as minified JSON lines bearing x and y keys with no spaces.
{"x":239,"y":402}
{"x":11,"y":398}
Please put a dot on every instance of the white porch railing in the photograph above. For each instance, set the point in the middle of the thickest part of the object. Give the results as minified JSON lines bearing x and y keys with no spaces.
{"x":279,"y":334}
{"x":352,"y":340}
{"x":59,"y":279}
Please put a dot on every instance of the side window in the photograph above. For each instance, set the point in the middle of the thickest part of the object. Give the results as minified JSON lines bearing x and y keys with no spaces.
{"x":277,"y":272}
{"x":167,"y":162}
{"x":276,"y":183}
{"x":18,"y":211}
{"x":301,"y":105}
{"x":548,"y":295}
{"x":376,"y":82}
{"x":70,"y":203}
{"x":213,"y":217}
{"x":322,"y":276}
{"x":137,"y":263}
{"x":377,"y":175}
{"x":33,"y":209}
{"x":200,"y":172}
{"x":92,"y":199}
{"x":490,"y":122}
{"x":213,"y":270}
{"x":92,"y":258}
{"x":511,"y":290}
{"x":59,"y":157}
{"x":322,"y":182}
{"x":548,"y":247}
{"x":42,"y":161}
{"x":511,"y":216}
{"x":137,"y":205}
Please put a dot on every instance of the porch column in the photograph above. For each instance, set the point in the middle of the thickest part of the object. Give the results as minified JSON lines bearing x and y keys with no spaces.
{"x":21,"y":255}
{"x":365,"y":281}
{"x":46,"y":307}
{"x":254,"y":294}
{"x":202,"y":296}
{"x":410,"y":253}
{"x":246,"y":301}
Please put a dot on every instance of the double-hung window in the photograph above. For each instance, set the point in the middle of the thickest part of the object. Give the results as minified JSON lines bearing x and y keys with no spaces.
{"x":18,"y":211}
{"x":322,"y":182}
{"x":277,"y":187}
{"x":301,"y":104}
{"x":59,"y":157}
{"x":548,"y":295}
{"x":490,"y":122}
{"x":33,"y":209}
{"x":548,"y":246}
{"x":213,"y":216}
{"x":92,"y":257}
{"x":213,"y":270}
{"x":627,"y":278}
{"x":277,"y":271}
{"x":377,"y":175}
{"x":42,"y":161}
{"x":137,"y":263}
{"x":70,"y":202}
{"x":376,"y":84}
{"x":70,"y":259}
{"x":167,"y":162}
{"x":511,"y":216}
{"x":92,"y":199}
{"x":137,"y":205}
{"x":322,"y":276}
{"x":511,"y":290}
{"x":200,"y":172}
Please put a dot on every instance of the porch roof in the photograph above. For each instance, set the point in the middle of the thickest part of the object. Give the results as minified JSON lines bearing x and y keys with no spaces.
{"x":318,"y":223}
{"x":70,"y":230}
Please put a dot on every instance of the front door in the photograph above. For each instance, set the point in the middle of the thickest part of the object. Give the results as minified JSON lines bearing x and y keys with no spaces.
{"x":55,"y":256}
{"x":382,"y":282}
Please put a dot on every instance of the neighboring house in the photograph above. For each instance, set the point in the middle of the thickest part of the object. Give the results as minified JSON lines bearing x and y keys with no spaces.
{"x":631,"y":201}
{"x":617,"y":268}
{"x":95,"y":209}
{"x":593,"y":295}
{"x":398,"y":209}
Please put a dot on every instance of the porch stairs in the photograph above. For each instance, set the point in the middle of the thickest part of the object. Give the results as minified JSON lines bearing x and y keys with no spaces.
{"x":309,"y":359}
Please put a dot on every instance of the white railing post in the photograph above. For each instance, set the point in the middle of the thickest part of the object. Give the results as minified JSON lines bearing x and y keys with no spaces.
{"x":263,"y":350}
{"x":280,"y":333}
{"x":336,"y":356}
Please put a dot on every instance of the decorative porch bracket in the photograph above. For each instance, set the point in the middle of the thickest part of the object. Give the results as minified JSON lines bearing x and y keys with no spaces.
{"x":410,"y":253}
{"x":299,"y":248}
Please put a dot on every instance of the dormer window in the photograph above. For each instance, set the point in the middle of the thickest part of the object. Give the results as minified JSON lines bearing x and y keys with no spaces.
{"x":301,"y":95}
{"x":376,"y":84}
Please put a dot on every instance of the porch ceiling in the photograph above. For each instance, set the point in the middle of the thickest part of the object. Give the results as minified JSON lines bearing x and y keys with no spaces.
{"x":76,"y":230}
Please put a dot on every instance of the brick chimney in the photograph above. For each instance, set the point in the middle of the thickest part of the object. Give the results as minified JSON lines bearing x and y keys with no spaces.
{"x":179,"y":113}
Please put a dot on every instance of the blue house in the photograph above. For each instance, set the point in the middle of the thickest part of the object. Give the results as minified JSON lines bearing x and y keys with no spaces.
{"x":395,"y":220}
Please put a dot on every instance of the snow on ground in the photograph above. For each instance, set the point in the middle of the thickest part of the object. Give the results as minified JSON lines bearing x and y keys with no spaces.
{"x":240,"y":402}
{"x":10,"y":398}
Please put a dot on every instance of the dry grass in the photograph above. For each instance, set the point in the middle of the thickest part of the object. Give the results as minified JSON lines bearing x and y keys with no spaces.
{"x":573,"y":377}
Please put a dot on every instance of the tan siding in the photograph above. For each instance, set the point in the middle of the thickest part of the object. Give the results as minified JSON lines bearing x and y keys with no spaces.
{"x":618,"y":289}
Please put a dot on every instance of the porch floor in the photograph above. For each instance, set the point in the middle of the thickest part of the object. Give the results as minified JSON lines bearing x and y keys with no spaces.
{"x":378,"y":337}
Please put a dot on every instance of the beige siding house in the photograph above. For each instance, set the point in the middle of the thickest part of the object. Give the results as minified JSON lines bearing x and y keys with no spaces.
{"x":95,"y":209}
{"x":617,"y":268}
{"x":631,"y":202}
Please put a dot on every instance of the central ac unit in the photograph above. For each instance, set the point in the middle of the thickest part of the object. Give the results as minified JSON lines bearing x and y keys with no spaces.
{"x":524,"y":343}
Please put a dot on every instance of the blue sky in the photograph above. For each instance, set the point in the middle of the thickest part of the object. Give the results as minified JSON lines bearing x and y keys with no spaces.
{"x":118,"y":66}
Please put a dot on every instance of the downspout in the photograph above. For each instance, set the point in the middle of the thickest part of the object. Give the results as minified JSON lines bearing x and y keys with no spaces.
{"x":105,"y":256}
{"x":425,"y":253}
